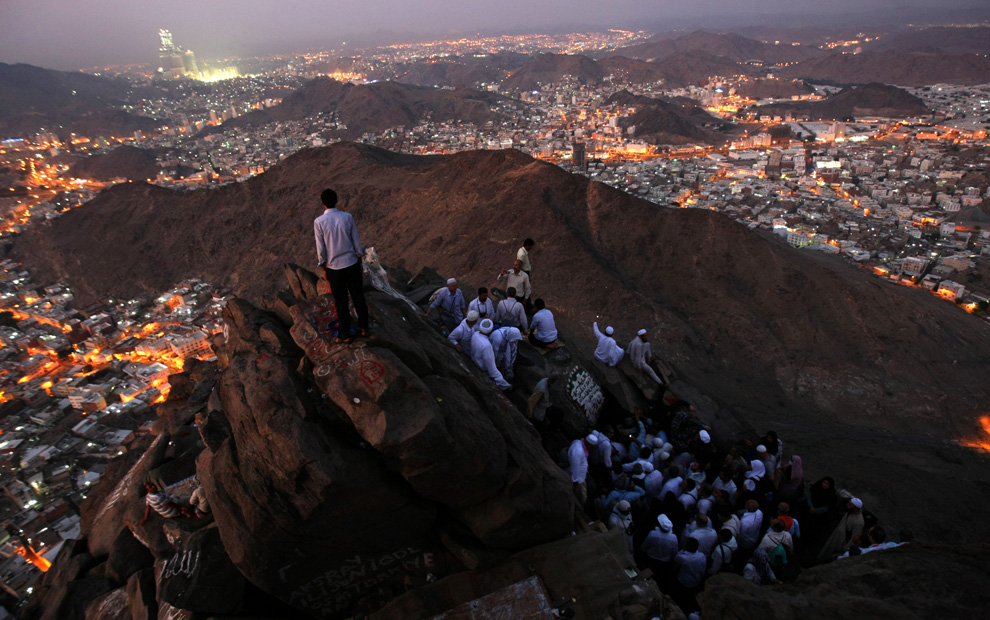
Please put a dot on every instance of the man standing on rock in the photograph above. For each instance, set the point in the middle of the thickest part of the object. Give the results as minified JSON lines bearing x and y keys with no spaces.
{"x":518,"y":279}
{"x":339,"y":250}
{"x":577,"y":458}
{"x":642,"y":356}
{"x":522,"y":255}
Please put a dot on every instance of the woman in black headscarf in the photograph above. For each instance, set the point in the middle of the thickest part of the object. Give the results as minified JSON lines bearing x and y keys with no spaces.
{"x":821,"y":502}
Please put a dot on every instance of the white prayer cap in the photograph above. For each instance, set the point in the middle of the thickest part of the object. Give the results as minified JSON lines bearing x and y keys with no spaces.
{"x":487,"y":326}
{"x":665,"y":524}
{"x":750,"y":485}
{"x":473,"y":315}
{"x":761,"y":449}
{"x":664,"y":456}
{"x":609,"y":331}
{"x":704,"y":437}
{"x":758,"y":470}
{"x":641,"y":332}
{"x":623,"y":506}
{"x":858,"y":503}
{"x":657,"y":442}
{"x":668,"y":447}
{"x":451,"y":280}
{"x":592,"y":438}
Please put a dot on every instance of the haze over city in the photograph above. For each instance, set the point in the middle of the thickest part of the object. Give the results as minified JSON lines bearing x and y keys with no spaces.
{"x":65,"y":34}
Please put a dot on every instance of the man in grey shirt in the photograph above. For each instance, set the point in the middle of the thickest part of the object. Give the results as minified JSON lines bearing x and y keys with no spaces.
{"x":339,"y":251}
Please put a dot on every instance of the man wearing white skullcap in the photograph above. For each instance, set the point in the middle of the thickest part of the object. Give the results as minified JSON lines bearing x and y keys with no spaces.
{"x":660,"y":547}
{"x":642,"y":356}
{"x":450,"y":302}
{"x":461,"y":335}
{"x":484,"y":356}
{"x":505,"y":343}
{"x":577,"y":457}
{"x":849,"y":527}
{"x":607,"y":351}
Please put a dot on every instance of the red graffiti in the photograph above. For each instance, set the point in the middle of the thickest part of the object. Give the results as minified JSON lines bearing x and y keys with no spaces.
{"x":371,"y":372}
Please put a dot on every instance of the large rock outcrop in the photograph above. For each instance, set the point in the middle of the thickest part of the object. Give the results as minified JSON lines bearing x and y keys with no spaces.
{"x":328,"y":466}
{"x":913,"y":581}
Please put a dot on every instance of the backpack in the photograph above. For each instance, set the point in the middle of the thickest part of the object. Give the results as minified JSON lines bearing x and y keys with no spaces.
{"x":781,"y":562}
{"x":778,"y":557}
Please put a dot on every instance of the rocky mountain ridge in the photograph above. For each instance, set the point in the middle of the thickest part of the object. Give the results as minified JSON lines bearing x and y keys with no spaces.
{"x":871,"y":99}
{"x":373,"y":107}
{"x":877,"y":397}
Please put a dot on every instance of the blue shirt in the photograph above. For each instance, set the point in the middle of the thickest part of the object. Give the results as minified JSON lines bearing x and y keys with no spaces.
{"x":337,"y":243}
{"x":543,"y":324}
{"x":450,"y":305}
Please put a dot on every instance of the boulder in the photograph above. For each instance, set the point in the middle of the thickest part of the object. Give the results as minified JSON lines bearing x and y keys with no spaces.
{"x":111,"y":606}
{"x":912,"y":581}
{"x":582,"y":577}
{"x":295,"y":498}
{"x":70,"y":563}
{"x":127,"y":556}
{"x":68,"y":601}
{"x":124,"y":506}
{"x":200,"y":577}
{"x":141,"y":595}
{"x":450,"y":434}
{"x":302,"y":282}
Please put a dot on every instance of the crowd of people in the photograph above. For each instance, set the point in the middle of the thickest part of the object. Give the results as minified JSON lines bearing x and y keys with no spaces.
{"x":488,"y":333}
{"x":687,"y":510}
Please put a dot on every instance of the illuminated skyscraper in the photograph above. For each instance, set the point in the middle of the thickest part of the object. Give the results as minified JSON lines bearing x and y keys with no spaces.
{"x":166,"y":38}
{"x":175,"y":62}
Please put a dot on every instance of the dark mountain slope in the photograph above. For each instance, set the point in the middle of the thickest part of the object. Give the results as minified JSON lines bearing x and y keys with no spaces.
{"x":904,"y":68}
{"x":126,"y":161}
{"x":869,"y":380}
{"x":32,"y":98}
{"x":374,"y":107}
{"x":866,"y":100}
{"x":666,"y":122}
{"x":734,"y":47}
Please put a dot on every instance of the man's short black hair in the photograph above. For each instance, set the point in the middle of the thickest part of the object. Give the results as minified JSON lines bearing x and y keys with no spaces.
{"x":539,"y":305}
{"x":511,"y":291}
{"x":691,"y":545}
{"x":482,"y":290}
{"x":329,"y":198}
{"x":528,"y":241}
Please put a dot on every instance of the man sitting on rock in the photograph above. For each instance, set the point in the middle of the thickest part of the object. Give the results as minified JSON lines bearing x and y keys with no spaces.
{"x":162,"y":504}
{"x":607,"y":351}
{"x":642,"y":356}
{"x":461,"y":335}
{"x":511,"y":313}
{"x":484,"y":356}
{"x":543,"y":330}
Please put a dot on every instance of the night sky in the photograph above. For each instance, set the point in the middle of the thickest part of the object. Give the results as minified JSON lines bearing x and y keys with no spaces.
{"x":75,"y":34}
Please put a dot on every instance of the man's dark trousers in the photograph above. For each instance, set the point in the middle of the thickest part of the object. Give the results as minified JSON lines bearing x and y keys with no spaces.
{"x":349,"y":280}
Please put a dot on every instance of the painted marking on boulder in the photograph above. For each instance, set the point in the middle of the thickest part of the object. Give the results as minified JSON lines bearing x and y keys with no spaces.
{"x":184,"y":563}
{"x":371,"y":372}
{"x":583,"y":390}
